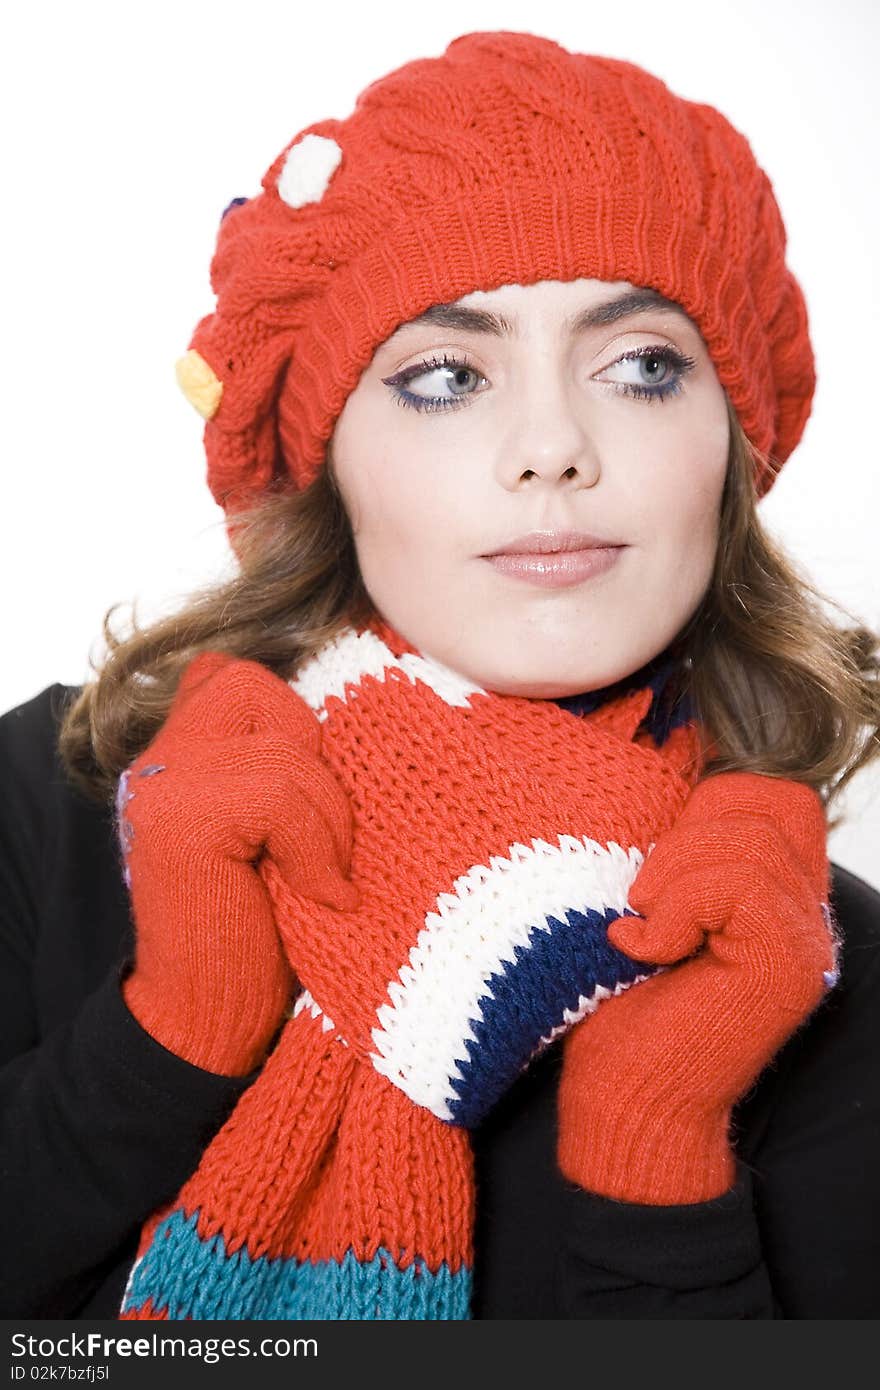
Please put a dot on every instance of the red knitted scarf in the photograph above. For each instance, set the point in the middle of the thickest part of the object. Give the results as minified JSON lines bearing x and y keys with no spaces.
{"x":496,"y":838}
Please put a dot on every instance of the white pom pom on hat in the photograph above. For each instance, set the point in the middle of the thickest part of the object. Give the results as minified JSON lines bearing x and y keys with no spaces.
{"x":307,"y":170}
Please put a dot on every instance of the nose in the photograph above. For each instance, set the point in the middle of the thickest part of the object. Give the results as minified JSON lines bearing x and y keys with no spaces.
{"x":548,"y":441}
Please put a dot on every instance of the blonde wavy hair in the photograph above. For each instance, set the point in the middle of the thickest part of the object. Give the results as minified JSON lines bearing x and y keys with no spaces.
{"x":778,"y":686}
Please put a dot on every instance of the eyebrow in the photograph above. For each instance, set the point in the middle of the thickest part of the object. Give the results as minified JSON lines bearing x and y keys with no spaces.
{"x":628,"y":305}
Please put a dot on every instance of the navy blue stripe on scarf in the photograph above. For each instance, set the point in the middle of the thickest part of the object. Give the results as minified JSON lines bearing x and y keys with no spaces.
{"x":665,"y":712}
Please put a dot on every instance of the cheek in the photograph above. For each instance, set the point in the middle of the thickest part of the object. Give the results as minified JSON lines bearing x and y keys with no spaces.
{"x":677,"y":507}
{"x":687,"y":517}
{"x":371,"y":472}
{"x":401,"y":496}
{"x":403,"y":505}
{"x":402,"y":521}
{"x":409,"y":486}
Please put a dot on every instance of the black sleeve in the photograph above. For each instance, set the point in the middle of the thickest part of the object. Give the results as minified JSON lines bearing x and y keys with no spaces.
{"x":549,"y":1249}
{"x":815,"y":1151}
{"x":699,"y":1261}
{"x":799,"y":1234}
{"x":99,"y":1124}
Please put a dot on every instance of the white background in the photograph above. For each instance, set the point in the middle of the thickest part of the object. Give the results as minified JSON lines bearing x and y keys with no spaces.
{"x":127,"y":130}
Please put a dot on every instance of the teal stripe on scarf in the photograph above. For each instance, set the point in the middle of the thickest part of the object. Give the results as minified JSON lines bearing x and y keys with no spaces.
{"x":196,"y":1278}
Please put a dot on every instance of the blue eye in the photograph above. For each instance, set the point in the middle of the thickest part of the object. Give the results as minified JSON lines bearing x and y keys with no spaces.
{"x":456,"y":370}
{"x":674,"y":363}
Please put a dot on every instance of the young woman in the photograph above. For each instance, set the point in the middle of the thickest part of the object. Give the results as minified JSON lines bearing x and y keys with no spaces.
{"x":435,"y":920}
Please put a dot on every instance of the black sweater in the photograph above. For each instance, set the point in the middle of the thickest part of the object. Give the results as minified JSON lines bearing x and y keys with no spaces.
{"x":99,"y":1124}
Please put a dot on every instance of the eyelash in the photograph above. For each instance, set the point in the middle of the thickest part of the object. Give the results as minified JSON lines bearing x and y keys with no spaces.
{"x":409,"y":400}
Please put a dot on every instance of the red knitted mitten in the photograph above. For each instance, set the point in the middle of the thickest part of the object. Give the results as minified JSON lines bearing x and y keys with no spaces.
{"x":234,"y":771}
{"x":649,"y":1081}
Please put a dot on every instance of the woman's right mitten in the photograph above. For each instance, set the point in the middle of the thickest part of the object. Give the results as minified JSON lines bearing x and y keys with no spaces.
{"x":234,"y":773}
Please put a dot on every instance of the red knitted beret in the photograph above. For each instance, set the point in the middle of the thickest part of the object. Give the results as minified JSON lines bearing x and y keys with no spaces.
{"x":508,"y":159}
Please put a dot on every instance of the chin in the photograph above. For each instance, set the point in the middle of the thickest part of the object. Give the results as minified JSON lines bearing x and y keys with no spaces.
{"x":536,"y":685}
{"x":544,"y":662}
{"x":542,"y":690}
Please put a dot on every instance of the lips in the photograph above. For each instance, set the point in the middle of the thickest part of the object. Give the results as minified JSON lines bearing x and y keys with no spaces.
{"x":555,"y":558}
{"x":551,"y":543}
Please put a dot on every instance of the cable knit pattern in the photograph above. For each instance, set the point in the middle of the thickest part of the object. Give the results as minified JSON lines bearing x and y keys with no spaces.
{"x":507,"y":159}
{"x":496,"y":838}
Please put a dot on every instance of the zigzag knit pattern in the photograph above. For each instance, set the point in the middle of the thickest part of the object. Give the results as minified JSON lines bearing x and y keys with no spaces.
{"x":546,"y":164}
{"x":496,"y":839}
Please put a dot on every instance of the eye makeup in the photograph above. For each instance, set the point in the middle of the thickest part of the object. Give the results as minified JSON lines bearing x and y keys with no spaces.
{"x":458,"y":366}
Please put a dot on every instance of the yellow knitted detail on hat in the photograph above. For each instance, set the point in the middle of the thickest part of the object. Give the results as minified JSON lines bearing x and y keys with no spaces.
{"x":198,"y":383}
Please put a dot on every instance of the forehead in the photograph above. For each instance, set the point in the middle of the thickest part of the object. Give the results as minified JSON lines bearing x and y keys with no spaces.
{"x":594,"y":303}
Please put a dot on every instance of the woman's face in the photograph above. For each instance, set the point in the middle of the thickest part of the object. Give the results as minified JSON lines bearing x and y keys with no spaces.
{"x":529,"y":422}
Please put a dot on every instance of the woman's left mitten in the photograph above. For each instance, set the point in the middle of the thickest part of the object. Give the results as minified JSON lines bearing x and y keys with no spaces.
{"x":739,"y":885}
